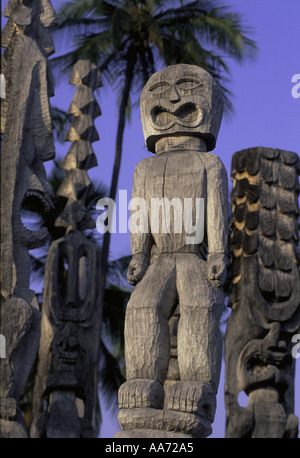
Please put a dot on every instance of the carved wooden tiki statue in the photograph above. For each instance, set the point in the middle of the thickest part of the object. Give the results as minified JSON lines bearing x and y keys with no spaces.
{"x":265,"y":294}
{"x":184,"y":188}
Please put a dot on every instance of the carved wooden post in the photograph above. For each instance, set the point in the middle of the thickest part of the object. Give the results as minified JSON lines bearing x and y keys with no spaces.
{"x":181,"y":110}
{"x":66,"y":383}
{"x":265,"y":294}
{"x":27,"y":143}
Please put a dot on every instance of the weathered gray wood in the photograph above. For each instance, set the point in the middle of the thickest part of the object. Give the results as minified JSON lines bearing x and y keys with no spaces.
{"x":206,"y":96}
{"x":265,"y":294}
{"x":27,"y":143}
{"x":181,"y":112}
{"x":66,"y":383}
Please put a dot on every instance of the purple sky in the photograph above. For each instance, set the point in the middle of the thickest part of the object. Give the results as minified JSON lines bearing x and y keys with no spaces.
{"x":265,"y":114}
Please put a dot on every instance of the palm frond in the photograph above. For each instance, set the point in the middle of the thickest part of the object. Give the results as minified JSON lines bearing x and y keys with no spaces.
{"x":223,"y":29}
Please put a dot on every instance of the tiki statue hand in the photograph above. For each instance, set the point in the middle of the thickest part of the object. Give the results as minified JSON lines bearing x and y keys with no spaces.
{"x":217,"y":269}
{"x":137,"y":268}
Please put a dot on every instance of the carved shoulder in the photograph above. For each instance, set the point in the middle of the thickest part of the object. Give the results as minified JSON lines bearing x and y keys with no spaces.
{"x":215,"y":168}
{"x":142,"y":167}
{"x":214,"y":162}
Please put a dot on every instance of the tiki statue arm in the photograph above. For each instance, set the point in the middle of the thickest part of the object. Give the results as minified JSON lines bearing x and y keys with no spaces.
{"x":217,"y":220}
{"x":140,"y":230}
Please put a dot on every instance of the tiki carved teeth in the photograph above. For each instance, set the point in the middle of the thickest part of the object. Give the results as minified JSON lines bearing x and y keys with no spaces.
{"x":68,"y":360}
{"x":26,"y":235}
{"x":44,"y":199}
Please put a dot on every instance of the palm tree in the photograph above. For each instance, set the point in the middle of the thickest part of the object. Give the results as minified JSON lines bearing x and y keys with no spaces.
{"x":130,"y":39}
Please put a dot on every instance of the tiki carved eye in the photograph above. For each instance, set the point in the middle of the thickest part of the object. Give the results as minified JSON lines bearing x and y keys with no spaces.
{"x":159,"y":88}
{"x":188,"y":83}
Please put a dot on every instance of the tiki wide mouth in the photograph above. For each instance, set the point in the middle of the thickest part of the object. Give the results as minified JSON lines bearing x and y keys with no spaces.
{"x":34,"y":208}
{"x":188,"y":114}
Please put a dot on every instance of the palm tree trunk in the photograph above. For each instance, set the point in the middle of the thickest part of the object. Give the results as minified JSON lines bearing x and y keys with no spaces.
{"x":129,"y":74}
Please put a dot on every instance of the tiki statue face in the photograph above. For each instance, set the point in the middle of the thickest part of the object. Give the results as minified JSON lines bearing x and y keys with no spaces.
{"x":181,"y":100}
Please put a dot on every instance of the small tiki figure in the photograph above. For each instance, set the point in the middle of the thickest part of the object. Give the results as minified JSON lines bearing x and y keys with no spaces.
{"x":184,"y":188}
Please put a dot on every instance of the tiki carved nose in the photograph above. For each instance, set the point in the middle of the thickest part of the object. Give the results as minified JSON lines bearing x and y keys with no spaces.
{"x":174,"y":96}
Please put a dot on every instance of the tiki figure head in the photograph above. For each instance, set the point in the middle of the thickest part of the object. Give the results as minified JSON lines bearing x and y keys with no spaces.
{"x":70,"y":307}
{"x":181,"y":100}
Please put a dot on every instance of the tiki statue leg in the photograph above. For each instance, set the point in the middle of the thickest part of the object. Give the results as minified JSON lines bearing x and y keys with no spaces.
{"x":147,"y":337}
{"x":199,"y":339}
